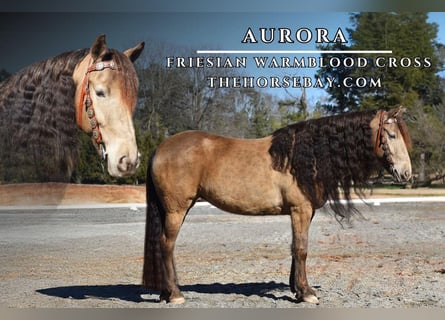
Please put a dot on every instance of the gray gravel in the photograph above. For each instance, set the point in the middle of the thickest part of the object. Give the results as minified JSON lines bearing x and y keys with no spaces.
{"x":395,"y":257}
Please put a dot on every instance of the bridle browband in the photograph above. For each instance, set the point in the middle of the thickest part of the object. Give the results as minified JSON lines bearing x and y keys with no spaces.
{"x":85,"y":103}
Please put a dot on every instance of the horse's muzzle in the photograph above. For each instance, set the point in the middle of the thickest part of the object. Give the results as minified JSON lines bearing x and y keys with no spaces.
{"x":127,"y":165}
{"x":403,"y":176}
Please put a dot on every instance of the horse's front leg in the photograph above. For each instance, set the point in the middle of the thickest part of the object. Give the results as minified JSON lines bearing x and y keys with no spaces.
{"x":301,"y":219}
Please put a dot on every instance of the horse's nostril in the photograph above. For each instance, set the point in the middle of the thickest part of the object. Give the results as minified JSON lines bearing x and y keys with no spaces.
{"x":127,"y":165}
{"x":123,"y":165}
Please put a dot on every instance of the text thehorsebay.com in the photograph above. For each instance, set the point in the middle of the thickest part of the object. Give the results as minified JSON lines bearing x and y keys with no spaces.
{"x":291,"y":62}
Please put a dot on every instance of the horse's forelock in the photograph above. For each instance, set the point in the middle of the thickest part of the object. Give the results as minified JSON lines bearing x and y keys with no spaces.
{"x":405,"y":133}
{"x":128,"y":79}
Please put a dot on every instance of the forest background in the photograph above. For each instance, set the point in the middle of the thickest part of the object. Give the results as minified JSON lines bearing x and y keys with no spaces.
{"x":173,"y":100}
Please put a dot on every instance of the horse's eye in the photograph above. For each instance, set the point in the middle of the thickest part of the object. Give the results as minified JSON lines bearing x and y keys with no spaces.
{"x":100,"y":93}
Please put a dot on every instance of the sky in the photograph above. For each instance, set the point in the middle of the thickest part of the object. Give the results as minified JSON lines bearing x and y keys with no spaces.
{"x":29,"y":37}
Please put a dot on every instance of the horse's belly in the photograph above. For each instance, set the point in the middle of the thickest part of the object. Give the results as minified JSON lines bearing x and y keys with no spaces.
{"x":245,"y":195}
{"x":246,"y":208}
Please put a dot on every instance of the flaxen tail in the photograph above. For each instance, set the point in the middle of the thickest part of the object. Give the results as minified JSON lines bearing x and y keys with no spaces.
{"x":154,"y":271}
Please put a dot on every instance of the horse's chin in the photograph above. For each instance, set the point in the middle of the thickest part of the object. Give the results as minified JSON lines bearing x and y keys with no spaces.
{"x":116,"y":173}
{"x":395,"y":174}
{"x":402,"y":174}
{"x":122,"y":169}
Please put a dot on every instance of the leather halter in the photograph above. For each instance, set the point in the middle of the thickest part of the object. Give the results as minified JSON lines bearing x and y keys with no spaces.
{"x":380,"y":140}
{"x":85,"y":103}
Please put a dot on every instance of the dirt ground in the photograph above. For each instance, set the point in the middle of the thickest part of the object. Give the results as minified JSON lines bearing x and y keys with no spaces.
{"x":393,"y":257}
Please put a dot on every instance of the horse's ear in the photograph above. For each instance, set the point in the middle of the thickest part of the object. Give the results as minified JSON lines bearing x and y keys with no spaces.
{"x":99,"y":47}
{"x":134,"y":53}
{"x":397,"y":112}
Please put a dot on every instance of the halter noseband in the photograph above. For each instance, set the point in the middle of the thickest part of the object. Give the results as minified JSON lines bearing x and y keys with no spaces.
{"x":86,"y":103}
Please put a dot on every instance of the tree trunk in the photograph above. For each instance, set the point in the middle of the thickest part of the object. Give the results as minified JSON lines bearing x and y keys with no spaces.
{"x":422,"y":168}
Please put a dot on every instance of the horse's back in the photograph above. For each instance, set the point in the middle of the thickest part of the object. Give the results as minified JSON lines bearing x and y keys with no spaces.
{"x":208,"y":152}
{"x":191,"y":153}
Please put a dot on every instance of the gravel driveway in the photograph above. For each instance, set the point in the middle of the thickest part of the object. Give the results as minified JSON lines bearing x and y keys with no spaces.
{"x":394,"y":257}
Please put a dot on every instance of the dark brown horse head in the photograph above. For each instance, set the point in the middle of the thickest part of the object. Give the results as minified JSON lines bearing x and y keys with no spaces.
{"x":392,"y":143}
{"x":106,"y":94}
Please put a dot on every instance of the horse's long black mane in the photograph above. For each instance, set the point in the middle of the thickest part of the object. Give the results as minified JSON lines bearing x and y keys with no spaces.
{"x":38,"y":131}
{"x":328,"y":154}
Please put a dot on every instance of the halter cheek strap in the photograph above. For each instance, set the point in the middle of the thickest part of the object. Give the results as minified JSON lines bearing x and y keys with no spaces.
{"x":85,"y":103}
{"x":380,"y":140}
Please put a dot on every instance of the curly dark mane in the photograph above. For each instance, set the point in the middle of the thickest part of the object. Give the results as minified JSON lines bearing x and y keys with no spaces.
{"x":327,"y":155}
{"x":38,"y":131}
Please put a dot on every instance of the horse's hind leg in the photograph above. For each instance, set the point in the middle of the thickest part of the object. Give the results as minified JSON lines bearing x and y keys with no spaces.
{"x":292,"y":283}
{"x":173,"y":222}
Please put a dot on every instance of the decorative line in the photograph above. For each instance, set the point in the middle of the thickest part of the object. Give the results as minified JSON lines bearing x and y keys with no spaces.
{"x":295,"y":51}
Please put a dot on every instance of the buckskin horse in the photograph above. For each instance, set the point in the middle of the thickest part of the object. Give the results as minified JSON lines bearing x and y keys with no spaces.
{"x":42,"y":106}
{"x":294,"y":171}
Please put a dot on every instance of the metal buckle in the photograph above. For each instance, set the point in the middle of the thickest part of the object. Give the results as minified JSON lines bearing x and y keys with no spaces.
{"x":103,"y":151}
{"x":107,"y":64}
{"x":100,"y":66}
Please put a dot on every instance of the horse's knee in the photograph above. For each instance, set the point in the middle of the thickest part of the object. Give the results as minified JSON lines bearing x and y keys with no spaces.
{"x":300,"y":253}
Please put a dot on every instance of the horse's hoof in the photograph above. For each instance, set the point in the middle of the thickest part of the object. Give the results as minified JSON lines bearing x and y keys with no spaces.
{"x":311,"y":299}
{"x":167,"y":298}
{"x":177,"y":300}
